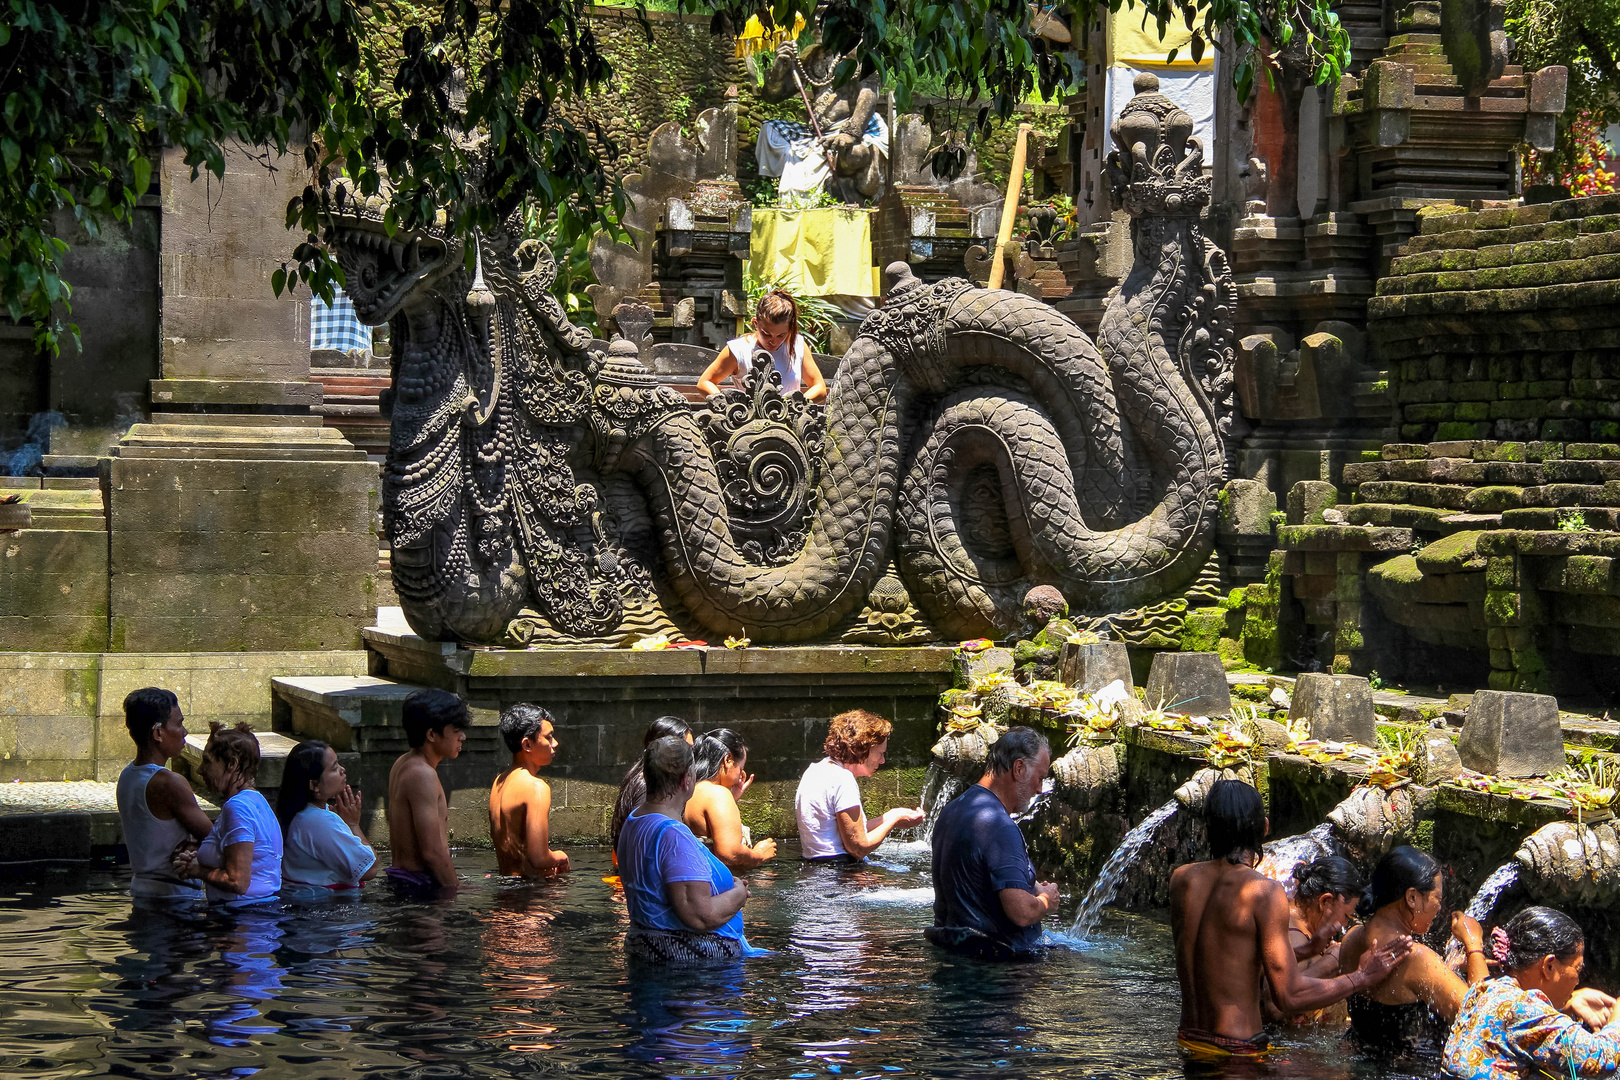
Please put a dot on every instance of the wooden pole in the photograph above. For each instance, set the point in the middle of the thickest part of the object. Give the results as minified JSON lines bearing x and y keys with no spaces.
{"x":1009,"y":209}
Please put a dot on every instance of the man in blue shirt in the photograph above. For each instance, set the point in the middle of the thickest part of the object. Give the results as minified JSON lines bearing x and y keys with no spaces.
{"x":987,"y":902}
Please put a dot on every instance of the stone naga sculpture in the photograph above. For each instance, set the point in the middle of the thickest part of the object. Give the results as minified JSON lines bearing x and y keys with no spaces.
{"x":1572,"y":863}
{"x":976,"y":439}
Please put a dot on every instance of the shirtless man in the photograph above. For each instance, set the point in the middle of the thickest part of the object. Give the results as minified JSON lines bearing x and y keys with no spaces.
{"x":520,"y":802}
{"x":1231,"y":932}
{"x":418,"y":813}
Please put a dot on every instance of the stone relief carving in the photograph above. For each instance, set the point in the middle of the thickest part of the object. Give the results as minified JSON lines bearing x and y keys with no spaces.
{"x":975,"y":445}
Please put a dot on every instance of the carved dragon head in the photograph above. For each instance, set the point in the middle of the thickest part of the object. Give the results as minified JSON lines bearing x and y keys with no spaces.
{"x":1157,"y":168}
{"x":382,"y":272}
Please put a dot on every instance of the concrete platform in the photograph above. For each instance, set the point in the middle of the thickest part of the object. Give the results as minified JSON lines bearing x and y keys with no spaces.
{"x":64,"y":821}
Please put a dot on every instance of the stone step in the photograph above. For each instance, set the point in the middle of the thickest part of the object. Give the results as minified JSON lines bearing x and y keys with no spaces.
{"x":62,"y":821}
{"x":273,"y":750}
{"x":335,"y":707}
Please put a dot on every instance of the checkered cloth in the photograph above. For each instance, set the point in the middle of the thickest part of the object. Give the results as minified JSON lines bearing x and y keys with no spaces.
{"x":337,"y":327}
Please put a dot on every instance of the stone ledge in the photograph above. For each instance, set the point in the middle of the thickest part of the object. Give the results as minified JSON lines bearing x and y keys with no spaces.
{"x":234,"y":392}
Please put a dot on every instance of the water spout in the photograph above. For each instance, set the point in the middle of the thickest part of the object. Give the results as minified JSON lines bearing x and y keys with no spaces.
{"x":1282,"y":856}
{"x":1106,"y":887}
{"x":1502,"y":879}
{"x":939,"y":788}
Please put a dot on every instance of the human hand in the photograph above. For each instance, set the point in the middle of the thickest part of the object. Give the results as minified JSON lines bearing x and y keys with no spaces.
{"x":1466,"y":929}
{"x":1049,"y":890}
{"x":904,"y":817}
{"x":765,"y":849}
{"x":1376,"y":964}
{"x":1592,"y":1007}
{"x":347,"y":806}
{"x":746,"y":783}
{"x":185,"y":864}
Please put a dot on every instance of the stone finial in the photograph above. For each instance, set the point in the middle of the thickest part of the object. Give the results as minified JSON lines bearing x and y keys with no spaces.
{"x":1338,"y":707}
{"x":1511,"y":734}
{"x":1191,"y":683}
{"x":1089,"y":668}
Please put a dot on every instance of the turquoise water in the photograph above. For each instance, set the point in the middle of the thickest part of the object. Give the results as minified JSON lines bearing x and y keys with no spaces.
{"x":523,"y":980}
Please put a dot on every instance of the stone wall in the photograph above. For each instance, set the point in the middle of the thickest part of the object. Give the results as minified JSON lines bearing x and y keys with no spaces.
{"x":62,"y":714}
{"x":1505,"y":324}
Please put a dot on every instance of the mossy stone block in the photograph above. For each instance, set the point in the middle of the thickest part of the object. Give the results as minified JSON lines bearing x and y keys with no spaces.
{"x":1193,"y":683}
{"x":1091,"y":667}
{"x":1512,"y":734}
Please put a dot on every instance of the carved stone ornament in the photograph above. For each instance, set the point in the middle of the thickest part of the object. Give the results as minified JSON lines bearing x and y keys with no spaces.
{"x":976,"y":441}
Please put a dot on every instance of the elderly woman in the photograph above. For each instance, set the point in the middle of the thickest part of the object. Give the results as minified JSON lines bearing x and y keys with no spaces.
{"x":325,"y":849}
{"x":1531,"y":1021}
{"x":833,"y":827}
{"x":721,"y":758}
{"x":1325,"y":894}
{"x":685,"y":907}
{"x":239,"y":861}
{"x":1410,"y":1009}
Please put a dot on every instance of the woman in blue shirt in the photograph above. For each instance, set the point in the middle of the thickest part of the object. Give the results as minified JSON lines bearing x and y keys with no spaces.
{"x":685,"y":907}
{"x":240,"y":860}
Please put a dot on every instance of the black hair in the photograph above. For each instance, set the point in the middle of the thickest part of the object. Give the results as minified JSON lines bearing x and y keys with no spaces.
{"x":523,"y":721}
{"x":709,"y":752}
{"x":432,"y":710}
{"x":665,"y":726}
{"x":1236,"y":820}
{"x":305,"y":764}
{"x":1328,"y":876}
{"x":1541,"y":931}
{"x":146,"y":708}
{"x":1015,"y":745}
{"x":665,"y":763}
{"x":1403,"y":868}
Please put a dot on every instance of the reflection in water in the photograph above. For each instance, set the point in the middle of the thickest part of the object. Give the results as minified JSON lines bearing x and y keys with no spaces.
{"x":513,"y":979}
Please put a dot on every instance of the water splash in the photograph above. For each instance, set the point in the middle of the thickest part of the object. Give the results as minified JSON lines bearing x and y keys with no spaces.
{"x":1106,"y":887}
{"x":1281,"y":856}
{"x":1502,"y":879}
{"x":939,"y":788}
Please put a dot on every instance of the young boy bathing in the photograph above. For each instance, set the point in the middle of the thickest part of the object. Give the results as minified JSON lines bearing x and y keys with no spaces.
{"x":520,"y":802}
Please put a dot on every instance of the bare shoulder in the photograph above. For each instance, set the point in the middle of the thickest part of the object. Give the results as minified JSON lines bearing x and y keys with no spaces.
{"x":414,"y":777}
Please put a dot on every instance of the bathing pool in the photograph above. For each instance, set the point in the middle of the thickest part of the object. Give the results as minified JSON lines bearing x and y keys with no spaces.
{"x":530,"y":980}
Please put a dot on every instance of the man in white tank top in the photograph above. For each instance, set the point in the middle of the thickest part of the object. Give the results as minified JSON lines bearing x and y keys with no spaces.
{"x":156,"y":806}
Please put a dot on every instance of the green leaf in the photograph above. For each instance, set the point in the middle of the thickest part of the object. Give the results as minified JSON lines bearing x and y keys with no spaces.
{"x":278,"y":280}
{"x":11,"y":153}
{"x":142,"y":167}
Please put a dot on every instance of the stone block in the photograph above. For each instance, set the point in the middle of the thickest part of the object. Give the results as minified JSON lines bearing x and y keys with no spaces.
{"x":1308,"y":499}
{"x":1338,"y":707}
{"x":1512,"y":734}
{"x":969,"y":666}
{"x":1246,"y":508}
{"x":1436,"y":760}
{"x":1092,"y":667}
{"x":1193,"y":683}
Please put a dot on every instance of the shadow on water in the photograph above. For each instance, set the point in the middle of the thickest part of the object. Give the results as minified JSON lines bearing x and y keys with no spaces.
{"x":514,"y":979}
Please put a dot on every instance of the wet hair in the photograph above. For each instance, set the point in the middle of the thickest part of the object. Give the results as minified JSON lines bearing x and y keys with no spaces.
{"x":1328,"y":876}
{"x":1541,"y":931}
{"x":664,"y":727}
{"x":665,"y":763}
{"x":851,"y":736}
{"x":432,"y":710}
{"x":1015,"y":745}
{"x":235,"y":748}
{"x":774,"y":307}
{"x":305,"y":764}
{"x":709,"y":752}
{"x":1403,"y":868}
{"x":523,"y":721}
{"x":1236,"y":820}
{"x":145,"y":709}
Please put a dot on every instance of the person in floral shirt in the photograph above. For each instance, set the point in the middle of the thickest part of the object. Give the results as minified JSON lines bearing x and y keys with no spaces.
{"x":1531,"y":1021}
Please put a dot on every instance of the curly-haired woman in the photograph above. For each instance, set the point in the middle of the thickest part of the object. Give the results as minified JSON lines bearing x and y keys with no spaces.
{"x":832,"y":825}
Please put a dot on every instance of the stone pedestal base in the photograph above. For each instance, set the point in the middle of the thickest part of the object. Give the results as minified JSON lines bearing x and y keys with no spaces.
{"x":240,"y":532}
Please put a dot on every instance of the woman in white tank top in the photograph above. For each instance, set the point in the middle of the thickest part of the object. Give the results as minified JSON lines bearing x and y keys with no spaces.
{"x":775,"y":335}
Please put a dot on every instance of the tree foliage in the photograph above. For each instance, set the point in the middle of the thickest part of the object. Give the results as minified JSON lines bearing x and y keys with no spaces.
{"x":1583,"y":36}
{"x":92,"y":89}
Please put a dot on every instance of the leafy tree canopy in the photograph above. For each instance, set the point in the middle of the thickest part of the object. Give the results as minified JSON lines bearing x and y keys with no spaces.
{"x":91,"y":89}
{"x":1584,"y":36}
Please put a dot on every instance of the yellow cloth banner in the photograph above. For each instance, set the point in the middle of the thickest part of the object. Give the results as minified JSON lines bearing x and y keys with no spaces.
{"x":1129,"y":42}
{"x":813,"y":252}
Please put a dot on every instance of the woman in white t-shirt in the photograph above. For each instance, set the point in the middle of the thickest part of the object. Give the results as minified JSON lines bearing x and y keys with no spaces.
{"x":324,"y":851}
{"x":833,"y":827}
{"x":775,"y":337}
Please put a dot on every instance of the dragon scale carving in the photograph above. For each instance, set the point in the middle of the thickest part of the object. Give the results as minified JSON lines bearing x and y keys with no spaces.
{"x":974,"y":441}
